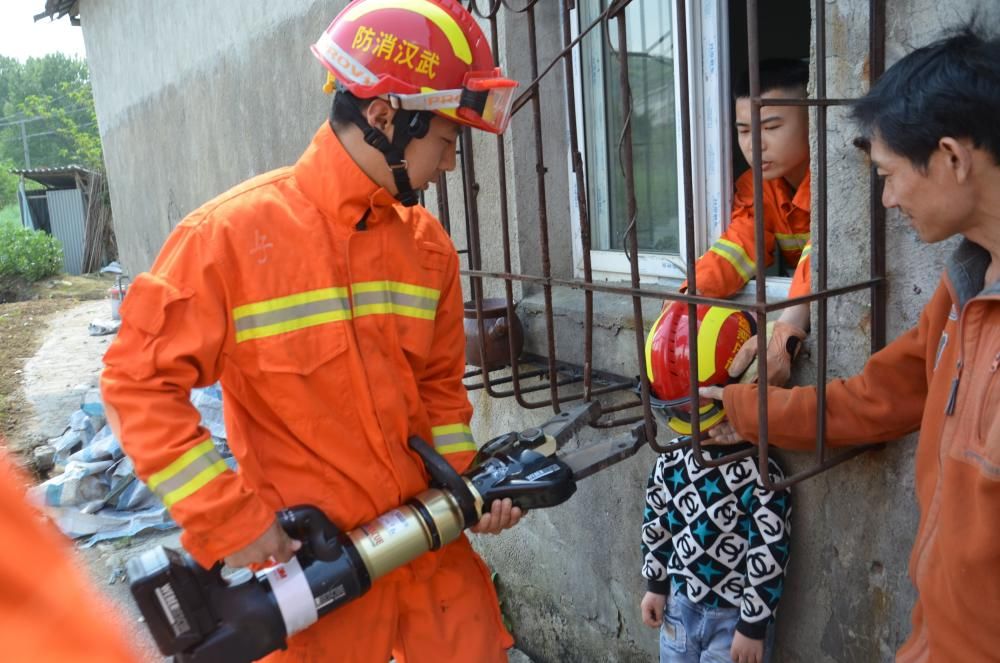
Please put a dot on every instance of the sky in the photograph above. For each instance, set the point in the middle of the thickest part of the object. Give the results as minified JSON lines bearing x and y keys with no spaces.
{"x":21,"y":38}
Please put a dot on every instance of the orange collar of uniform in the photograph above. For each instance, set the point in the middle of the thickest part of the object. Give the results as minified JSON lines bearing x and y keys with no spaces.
{"x":329,"y":177}
{"x":801,"y":197}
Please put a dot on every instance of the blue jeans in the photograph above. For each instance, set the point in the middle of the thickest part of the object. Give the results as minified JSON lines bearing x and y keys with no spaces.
{"x":694,"y":633}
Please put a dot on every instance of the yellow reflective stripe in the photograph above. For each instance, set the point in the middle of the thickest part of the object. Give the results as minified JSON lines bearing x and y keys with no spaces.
{"x":393,"y":297}
{"x":792,"y":242}
{"x":396,"y":286}
{"x":456,"y":448}
{"x":453,"y":438}
{"x":195,"y":484}
{"x":292,"y":325}
{"x":291,"y":312}
{"x":806,"y":250}
{"x":708,"y":335}
{"x":448,"y":429}
{"x":734,"y":254}
{"x":288,"y":301}
{"x":385,"y":309}
{"x":442,"y":19}
{"x":192,"y":470}
{"x":649,"y":345}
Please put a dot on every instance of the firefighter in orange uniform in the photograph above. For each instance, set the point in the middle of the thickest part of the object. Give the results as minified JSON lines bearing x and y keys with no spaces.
{"x":47,"y":610}
{"x":785,"y":194}
{"x":327,"y":302}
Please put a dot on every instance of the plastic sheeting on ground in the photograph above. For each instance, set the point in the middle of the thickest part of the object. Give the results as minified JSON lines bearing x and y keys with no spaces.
{"x":96,"y":493}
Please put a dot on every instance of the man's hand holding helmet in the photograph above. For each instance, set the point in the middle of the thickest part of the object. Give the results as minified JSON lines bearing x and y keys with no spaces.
{"x":784,"y":341}
{"x":721,"y":333}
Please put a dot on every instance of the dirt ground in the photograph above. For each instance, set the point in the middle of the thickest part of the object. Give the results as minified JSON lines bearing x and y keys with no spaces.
{"x":48,"y":361}
{"x":25,"y":310}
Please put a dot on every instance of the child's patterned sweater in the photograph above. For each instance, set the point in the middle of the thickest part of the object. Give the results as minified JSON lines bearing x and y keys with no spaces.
{"x":717,"y":534}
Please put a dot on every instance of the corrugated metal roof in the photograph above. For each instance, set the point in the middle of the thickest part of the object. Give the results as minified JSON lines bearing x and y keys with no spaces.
{"x":58,"y":8}
{"x":55,"y":178}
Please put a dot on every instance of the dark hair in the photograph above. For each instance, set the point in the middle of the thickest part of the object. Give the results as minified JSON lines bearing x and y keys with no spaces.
{"x":776,"y":74}
{"x":948,"y":88}
{"x":339,"y":115}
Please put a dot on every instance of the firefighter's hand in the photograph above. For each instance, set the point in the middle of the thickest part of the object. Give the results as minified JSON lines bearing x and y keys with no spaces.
{"x":502,"y":515}
{"x":746,"y":650}
{"x":271,"y":547}
{"x":652,"y":609}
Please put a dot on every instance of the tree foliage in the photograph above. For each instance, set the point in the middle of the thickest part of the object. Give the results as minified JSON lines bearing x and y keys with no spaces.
{"x":51,"y":98}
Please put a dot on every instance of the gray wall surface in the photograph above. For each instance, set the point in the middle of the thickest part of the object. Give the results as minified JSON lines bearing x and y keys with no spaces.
{"x":193,"y":97}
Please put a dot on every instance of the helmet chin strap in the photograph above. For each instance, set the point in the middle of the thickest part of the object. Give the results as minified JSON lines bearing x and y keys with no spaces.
{"x":406,"y":125}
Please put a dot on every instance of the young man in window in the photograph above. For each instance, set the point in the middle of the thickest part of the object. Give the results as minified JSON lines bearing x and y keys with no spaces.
{"x":731,"y":261}
{"x":931,"y":126}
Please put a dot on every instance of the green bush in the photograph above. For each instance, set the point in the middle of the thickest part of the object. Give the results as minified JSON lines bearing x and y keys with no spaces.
{"x":11,"y":213}
{"x":30,"y":254}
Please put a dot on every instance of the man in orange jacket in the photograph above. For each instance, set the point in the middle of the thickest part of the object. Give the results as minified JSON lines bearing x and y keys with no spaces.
{"x":48,"y":610}
{"x":731,"y":261}
{"x":328,"y":304}
{"x":930,"y":123}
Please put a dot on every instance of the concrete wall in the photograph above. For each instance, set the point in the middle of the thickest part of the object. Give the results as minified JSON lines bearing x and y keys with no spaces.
{"x":569,"y":577}
{"x":193,"y":97}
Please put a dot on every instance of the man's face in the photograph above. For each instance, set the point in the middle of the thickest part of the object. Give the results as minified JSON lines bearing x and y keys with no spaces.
{"x":784,"y":136}
{"x":932,"y":201}
{"x":433,"y":154}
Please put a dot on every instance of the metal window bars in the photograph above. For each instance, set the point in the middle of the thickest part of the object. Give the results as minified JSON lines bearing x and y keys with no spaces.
{"x":566,"y":382}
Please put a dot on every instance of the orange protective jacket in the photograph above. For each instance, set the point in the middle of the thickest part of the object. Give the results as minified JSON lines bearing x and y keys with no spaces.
{"x":802,"y":279}
{"x":943,"y":377}
{"x":332,"y":316}
{"x":48,"y":612}
{"x":731,"y":261}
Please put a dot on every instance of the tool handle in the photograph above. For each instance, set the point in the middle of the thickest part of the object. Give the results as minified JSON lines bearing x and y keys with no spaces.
{"x":445,"y":476}
{"x":311,"y":526}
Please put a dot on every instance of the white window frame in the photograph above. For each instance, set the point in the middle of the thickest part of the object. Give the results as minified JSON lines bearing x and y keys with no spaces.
{"x":710,"y":110}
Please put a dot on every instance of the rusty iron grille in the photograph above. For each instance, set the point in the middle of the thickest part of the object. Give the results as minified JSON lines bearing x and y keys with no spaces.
{"x":562,"y":374}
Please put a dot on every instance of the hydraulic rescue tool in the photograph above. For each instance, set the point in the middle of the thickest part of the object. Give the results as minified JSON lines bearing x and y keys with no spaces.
{"x":196,"y":614}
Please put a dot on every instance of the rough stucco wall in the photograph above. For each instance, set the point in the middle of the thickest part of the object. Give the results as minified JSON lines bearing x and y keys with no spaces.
{"x":194,"y":97}
{"x":569,"y":576}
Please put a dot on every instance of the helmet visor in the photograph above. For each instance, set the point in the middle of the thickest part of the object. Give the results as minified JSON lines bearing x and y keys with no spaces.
{"x":487,"y":98}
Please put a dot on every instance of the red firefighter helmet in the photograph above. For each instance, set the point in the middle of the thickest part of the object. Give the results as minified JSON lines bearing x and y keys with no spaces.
{"x":421,"y":55}
{"x":721,"y":333}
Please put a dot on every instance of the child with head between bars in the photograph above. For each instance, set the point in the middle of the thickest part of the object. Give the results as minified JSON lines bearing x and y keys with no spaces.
{"x":714,"y":539}
{"x":731,"y":261}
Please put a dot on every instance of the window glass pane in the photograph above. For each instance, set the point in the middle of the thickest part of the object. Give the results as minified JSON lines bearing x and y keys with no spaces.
{"x":651,"y":74}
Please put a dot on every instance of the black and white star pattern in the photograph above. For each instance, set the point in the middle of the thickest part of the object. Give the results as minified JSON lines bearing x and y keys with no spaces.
{"x":717,"y":535}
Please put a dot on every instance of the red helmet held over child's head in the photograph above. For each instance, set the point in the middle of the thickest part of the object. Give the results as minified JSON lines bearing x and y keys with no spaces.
{"x":721,"y":333}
